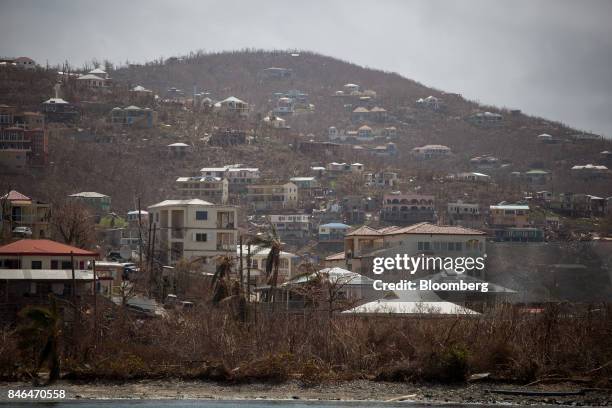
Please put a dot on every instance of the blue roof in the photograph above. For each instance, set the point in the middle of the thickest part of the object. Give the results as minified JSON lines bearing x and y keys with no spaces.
{"x":336,"y":225}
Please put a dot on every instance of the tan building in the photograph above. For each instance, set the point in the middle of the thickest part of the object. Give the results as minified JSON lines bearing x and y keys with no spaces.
{"x":194,"y":229}
{"x":264,"y":197}
{"x":208,"y":188}
{"x":509,"y":215}
{"x":25,"y":217}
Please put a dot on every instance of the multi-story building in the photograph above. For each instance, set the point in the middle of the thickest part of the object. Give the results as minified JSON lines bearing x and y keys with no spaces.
{"x":382,"y":179}
{"x":59,"y":110}
{"x":291,"y":226}
{"x":24,"y":217}
{"x":232,"y":106}
{"x":194,"y":229}
{"x":409,"y":208}
{"x":32,"y":269}
{"x":208,"y":188}
{"x":23,"y":139}
{"x":237,"y":176}
{"x":266,"y":197}
{"x":308,"y":187}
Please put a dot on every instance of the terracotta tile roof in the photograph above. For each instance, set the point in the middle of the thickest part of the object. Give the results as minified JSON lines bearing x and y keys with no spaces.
{"x":364,"y":231}
{"x":42,"y":247}
{"x":427,"y":228}
{"x":14,"y":195}
{"x":336,"y":257}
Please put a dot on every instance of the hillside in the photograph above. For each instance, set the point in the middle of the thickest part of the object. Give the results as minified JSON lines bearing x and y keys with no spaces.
{"x":133,"y":163}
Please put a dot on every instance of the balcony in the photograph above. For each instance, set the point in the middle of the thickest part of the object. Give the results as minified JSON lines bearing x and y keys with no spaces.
{"x":177,"y":233}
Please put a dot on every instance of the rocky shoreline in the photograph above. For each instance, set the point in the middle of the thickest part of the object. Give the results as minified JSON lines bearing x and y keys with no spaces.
{"x":362,"y":390}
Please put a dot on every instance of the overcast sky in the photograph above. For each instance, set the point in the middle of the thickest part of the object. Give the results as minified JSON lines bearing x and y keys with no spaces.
{"x":551,"y":58}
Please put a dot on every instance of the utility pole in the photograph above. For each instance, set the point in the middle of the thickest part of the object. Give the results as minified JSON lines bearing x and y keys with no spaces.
{"x":95,"y":296}
{"x":139,"y":235}
{"x":241,"y":275}
{"x":248,"y":273}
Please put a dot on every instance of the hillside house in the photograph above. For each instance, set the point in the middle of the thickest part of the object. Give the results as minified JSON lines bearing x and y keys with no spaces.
{"x":355,"y":207}
{"x":178,"y":150}
{"x":578,"y":205}
{"x":360,"y":114}
{"x":276,"y":73}
{"x":308,"y":187}
{"x":335,"y":168}
{"x":291,"y":227}
{"x":284,"y":106}
{"x":365,"y":134}
{"x":485,"y":162}
{"x":428,"y":152}
{"x":194,"y":229}
{"x":91,"y":81}
{"x":590,"y":171}
{"x":24,"y":216}
{"x":207,"y":188}
{"x":408,"y":208}
{"x":268,"y":197}
{"x":485,"y":119}
{"x":232,"y":106}
{"x":509,"y":215}
{"x":59,"y":110}
{"x":464,"y":214}
{"x":99,"y":204}
{"x":431,"y":102}
{"x":24,"y":62}
{"x":227,"y":137}
{"x":23,"y":140}
{"x":275,"y":122}
{"x":287,"y":267}
{"x":471,"y":177}
{"x":546,"y":138}
{"x":134,"y":116}
{"x":237,"y":175}
{"x":350,"y":89}
{"x":382,"y":179}
{"x":537,"y":176}
{"x":333,"y":232}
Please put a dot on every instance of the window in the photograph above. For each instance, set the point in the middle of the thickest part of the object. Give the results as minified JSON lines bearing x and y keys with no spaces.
{"x":36,"y":264}
{"x":200,"y":237}
{"x":54,"y":264}
{"x":201,"y":215}
{"x":458,"y":246}
{"x":66,"y":265}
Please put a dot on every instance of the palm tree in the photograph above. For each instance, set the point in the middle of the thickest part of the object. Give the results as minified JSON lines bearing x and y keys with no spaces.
{"x":219,"y":283}
{"x":269,"y":240}
{"x":43,"y":324}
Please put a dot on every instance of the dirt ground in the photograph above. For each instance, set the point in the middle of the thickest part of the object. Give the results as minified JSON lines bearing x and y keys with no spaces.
{"x":353,"y":390}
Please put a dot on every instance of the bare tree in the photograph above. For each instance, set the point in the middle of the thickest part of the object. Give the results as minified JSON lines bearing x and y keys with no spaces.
{"x":73,"y":224}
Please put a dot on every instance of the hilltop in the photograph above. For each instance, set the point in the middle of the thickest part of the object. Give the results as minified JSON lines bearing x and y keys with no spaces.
{"x":131,"y":163}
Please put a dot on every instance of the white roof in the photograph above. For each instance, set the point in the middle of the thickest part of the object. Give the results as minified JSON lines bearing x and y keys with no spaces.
{"x":178,"y":144}
{"x":256,"y":250}
{"x":90,"y":76}
{"x":88,"y":194}
{"x":510,"y":207}
{"x":97,"y":71}
{"x":139,"y":88}
{"x":231,"y":99}
{"x":173,"y":203}
{"x":302,"y":179}
{"x":55,"y":100}
{"x":401,"y":307}
{"x":135,"y":212}
{"x":44,"y":274}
